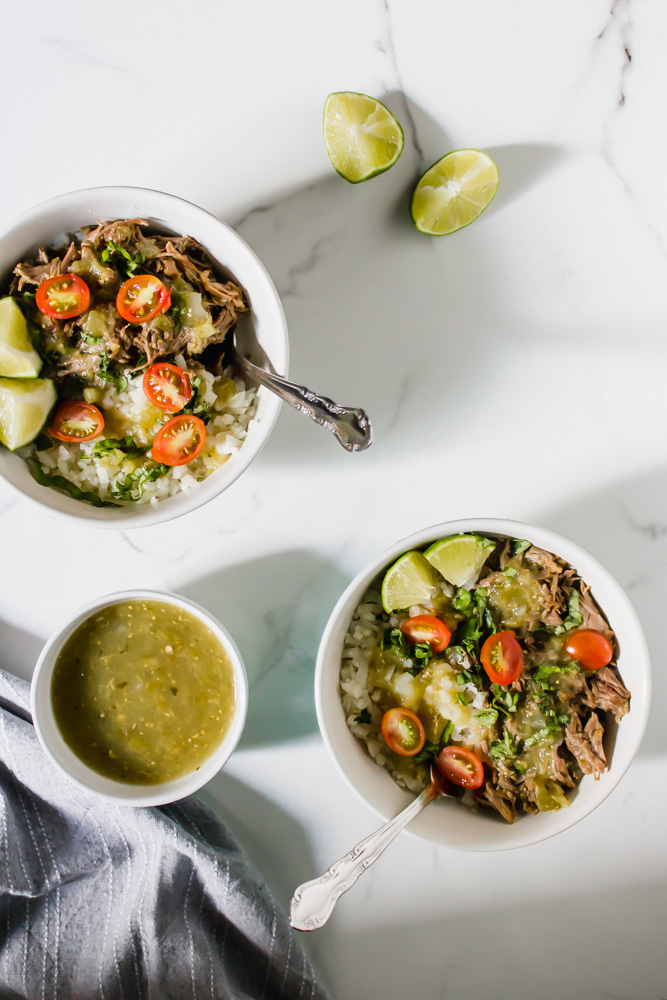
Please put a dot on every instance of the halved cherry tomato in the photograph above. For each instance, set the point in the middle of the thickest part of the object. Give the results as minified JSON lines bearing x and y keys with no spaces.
{"x":460,"y":766}
{"x":142,"y":297}
{"x":589,"y":648}
{"x":427,"y":628}
{"x":76,"y":422}
{"x":180,"y":440}
{"x":502,"y":658}
{"x":63,"y":296}
{"x":167,"y":386}
{"x":403,"y":731}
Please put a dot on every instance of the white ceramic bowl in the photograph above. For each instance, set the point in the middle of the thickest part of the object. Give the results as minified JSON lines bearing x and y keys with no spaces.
{"x":447,"y":822}
{"x":85,"y":777}
{"x":43,"y":224}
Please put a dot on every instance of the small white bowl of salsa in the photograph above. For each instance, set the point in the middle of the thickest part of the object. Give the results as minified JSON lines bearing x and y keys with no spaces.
{"x":140,"y":698}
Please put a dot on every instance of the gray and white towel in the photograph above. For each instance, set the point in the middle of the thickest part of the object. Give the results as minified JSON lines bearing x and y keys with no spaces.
{"x":99,"y":901}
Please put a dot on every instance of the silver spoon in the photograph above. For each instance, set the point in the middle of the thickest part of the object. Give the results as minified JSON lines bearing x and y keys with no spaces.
{"x":313,"y":902}
{"x":351,"y":427}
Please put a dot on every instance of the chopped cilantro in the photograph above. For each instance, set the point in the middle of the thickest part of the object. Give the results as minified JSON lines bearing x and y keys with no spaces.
{"x":60,"y":483}
{"x":503,"y":749}
{"x":510,"y":572}
{"x":487,"y":717}
{"x":88,"y":338}
{"x":108,"y":373}
{"x":418,"y":654}
{"x":504,"y":700}
{"x":197,"y":405}
{"x":537,"y":737}
{"x":129,"y":262}
{"x":126,"y":445}
{"x":574,"y":616}
{"x":393,"y":638}
{"x":132,"y":485}
{"x":462,"y":599}
{"x":178,"y":309}
{"x":422,"y":652}
{"x":478,"y":619}
{"x":546,"y":670}
{"x":520,"y":545}
{"x":431,"y":750}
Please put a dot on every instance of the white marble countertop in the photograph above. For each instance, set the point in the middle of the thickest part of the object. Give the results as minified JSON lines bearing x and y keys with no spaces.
{"x":514,"y":369}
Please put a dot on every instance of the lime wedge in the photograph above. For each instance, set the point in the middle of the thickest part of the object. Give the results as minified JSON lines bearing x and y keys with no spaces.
{"x":362,"y":136}
{"x":459,"y":558}
{"x":411,"y":580}
{"x":25,"y":403}
{"x":454,"y":192}
{"x":18,"y":358}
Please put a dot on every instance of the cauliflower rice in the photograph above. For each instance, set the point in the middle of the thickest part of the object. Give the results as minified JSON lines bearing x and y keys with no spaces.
{"x":357,"y":694}
{"x":232,"y":407}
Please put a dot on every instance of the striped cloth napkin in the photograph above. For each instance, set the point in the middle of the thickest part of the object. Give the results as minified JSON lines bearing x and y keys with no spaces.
{"x":127,"y":904}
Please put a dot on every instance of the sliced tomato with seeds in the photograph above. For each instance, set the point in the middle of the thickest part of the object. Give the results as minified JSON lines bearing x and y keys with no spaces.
{"x":502,"y":658}
{"x":590,"y":648}
{"x":460,"y":766}
{"x":63,"y":296}
{"x":76,"y":422}
{"x":142,"y":297}
{"x":403,"y":731}
{"x":180,"y":440}
{"x":427,"y":629}
{"x":167,"y":386}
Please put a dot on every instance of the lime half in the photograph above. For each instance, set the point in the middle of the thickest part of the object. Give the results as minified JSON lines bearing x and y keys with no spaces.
{"x":411,"y":580}
{"x":459,"y":558}
{"x":25,"y":403}
{"x":454,"y":192}
{"x":18,"y":358}
{"x":362,"y":136}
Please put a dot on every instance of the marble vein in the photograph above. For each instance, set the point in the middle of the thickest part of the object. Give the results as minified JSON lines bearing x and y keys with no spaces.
{"x":271,"y":206}
{"x":305,"y":266}
{"x":390,"y":51}
{"x":619,"y":15}
{"x":56,"y":42}
{"x":652,"y":529}
{"x":619,"y":27}
{"x":404,"y":392}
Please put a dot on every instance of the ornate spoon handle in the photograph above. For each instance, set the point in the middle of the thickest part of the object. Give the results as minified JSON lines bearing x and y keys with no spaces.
{"x":350,"y":426}
{"x":313,"y":902}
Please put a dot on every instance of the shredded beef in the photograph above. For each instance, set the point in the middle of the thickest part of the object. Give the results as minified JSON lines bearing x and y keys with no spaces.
{"x":585,"y":744}
{"x":497,"y":799}
{"x":592,"y":617}
{"x":609,"y":693}
{"x":98,"y":260}
{"x":35,"y":274}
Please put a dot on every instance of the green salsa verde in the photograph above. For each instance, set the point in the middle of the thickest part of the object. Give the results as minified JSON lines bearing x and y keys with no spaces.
{"x":143,"y":692}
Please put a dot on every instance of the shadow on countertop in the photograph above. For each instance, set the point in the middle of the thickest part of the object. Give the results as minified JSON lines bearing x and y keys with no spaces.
{"x":285,"y":855}
{"x":276,"y":607}
{"x":366,"y":295}
{"x":275,"y":843}
{"x":624,"y":525}
{"x":604,"y":944}
{"x":19,"y":650}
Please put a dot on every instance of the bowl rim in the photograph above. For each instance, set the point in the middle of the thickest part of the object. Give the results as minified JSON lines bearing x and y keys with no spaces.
{"x":109,"y":789}
{"x":508,"y":527}
{"x":147,"y":515}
